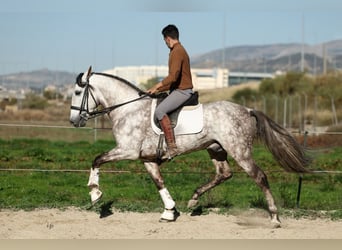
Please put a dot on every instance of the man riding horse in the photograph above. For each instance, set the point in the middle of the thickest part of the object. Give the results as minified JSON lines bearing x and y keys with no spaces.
{"x":178,"y":82}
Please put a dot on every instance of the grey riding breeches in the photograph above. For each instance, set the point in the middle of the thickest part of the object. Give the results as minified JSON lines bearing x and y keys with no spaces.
{"x":172,"y":102}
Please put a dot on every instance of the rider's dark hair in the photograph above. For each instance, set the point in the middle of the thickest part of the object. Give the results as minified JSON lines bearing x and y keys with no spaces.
{"x":171,"y":31}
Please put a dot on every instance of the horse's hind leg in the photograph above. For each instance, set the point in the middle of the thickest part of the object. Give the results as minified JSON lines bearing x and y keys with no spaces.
{"x":261,"y":180}
{"x":219,"y":157}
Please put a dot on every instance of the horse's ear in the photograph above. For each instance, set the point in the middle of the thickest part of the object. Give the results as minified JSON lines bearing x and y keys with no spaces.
{"x":79,"y":80}
{"x":89,"y":72}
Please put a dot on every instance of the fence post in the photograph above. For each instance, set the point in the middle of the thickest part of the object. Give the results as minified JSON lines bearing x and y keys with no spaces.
{"x":95,"y":129}
{"x":284,"y":118}
{"x":300,"y":179}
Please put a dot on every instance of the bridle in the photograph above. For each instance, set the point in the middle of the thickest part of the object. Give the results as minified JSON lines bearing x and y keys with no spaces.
{"x":84,"y":111}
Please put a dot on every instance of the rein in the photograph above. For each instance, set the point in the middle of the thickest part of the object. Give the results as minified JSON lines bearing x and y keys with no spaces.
{"x":107,"y":110}
{"x":92,"y":114}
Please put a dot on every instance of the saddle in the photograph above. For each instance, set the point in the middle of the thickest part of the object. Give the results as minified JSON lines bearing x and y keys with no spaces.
{"x":187,"y":119}
{"x":173,"y":115}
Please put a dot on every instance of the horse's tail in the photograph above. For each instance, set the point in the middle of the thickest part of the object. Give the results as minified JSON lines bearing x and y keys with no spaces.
{"x":286,"y":150}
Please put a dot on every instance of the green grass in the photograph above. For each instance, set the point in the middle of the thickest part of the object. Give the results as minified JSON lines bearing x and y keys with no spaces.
{"x":134,"y":190}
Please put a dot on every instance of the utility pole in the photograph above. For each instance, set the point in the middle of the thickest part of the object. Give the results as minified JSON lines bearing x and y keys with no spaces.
{"x":302,"y":52}
{"x":224,"y":42}
{"x":324,"y":59}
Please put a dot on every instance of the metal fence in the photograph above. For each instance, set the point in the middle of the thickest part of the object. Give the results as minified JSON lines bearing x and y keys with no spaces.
{"x":95,"y":133}
{"x":301,"y":112}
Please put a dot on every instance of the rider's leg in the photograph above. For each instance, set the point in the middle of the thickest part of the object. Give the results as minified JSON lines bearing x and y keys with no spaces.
{"x":170,"y":103}
{"x":165,"y":123}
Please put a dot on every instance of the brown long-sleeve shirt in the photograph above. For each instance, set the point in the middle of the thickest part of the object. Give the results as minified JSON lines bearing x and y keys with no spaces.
{"x":179,"y":70}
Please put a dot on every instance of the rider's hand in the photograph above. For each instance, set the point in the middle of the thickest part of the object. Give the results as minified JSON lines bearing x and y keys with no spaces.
{"x":155,"y":88}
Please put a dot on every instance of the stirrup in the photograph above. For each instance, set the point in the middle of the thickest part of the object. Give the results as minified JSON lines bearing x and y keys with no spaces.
{"x":173,"y":152}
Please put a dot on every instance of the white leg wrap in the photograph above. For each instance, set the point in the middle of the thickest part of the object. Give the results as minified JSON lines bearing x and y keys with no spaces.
{"x":167,"y":215}
{"x":167,"y":199}
{"x":95,"y":195}
{"x":93,"y":184}
{"x":93,"y":178}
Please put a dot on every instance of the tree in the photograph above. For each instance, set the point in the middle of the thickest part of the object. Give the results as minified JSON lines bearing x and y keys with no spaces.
{"x":246,"y":93}
{"x":267,"y":86}
{"x":33,"y":101}
{"x":52,"y":94}
{"x":285,"y":85}
{"x":291,"y":82}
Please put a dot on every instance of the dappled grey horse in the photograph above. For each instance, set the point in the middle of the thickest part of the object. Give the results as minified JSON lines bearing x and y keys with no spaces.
{"x":228,"y":128}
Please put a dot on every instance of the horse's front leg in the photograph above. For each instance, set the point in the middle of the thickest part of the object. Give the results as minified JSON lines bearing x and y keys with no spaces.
{"x":115,"y":154}
{"x":93,"y":184}
{"x":170,"y":213}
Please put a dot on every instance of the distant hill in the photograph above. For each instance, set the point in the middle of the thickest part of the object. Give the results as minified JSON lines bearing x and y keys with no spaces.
{"x":273,"y":57}
{"x":249,"y":58}
{"x":38,"y":79}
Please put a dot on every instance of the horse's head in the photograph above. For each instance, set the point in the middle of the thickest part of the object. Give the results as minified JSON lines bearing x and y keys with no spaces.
{"x":81,"y":104}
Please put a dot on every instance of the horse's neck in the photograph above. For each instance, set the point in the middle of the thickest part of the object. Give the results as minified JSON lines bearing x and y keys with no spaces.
{"x":115,"y":92}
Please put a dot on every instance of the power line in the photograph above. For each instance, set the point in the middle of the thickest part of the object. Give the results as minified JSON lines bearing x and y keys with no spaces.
{"x":144,"y":172}
{"x":36,"y":126}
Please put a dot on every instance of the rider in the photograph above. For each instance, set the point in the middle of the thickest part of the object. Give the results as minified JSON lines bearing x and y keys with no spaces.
{"x":178,"y":82}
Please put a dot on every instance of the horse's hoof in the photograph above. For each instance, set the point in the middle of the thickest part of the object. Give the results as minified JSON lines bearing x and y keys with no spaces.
{"x":95,"y":195}
{"x":163,"y":220}
{"x":276,"y":224}
{"x":192,"y":203}
{"x":169,"y":215}
{"x":275,"y":221}
{"x":196,"y":211}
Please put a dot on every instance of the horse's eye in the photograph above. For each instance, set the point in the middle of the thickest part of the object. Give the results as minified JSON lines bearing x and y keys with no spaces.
{"x":78,"y":92}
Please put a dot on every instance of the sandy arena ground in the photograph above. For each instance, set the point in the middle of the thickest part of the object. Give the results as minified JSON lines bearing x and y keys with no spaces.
{"x":79,"y":224}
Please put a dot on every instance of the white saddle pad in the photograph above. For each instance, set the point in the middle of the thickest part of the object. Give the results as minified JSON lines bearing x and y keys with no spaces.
{"x":190,"y":120}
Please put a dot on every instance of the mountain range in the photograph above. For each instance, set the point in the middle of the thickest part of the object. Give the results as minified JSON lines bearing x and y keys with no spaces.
{"x":37,"y":79}
{"x":270,"y":58}
{"x":274,"y":57}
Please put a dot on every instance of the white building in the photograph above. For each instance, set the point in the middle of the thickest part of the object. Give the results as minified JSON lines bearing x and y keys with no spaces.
{"x":210,"y":78}
{"x":201,"y":78}
{"x":139,"y":74}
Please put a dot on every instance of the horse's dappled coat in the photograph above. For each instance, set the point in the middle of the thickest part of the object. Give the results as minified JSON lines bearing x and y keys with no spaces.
{"x":228,"y":128}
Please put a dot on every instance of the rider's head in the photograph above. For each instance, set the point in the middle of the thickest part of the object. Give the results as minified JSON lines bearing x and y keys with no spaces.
{"x":171,"y":35}
{"x":171,"y":31}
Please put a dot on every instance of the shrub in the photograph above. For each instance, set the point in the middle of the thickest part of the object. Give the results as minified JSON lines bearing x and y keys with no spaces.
{"x":33,"y":101}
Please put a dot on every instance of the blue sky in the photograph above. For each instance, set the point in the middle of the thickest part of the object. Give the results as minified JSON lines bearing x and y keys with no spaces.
{"x":71,"y":35}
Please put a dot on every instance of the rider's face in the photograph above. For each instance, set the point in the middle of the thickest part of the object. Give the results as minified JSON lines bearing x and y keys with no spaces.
{"x":167,"y":41}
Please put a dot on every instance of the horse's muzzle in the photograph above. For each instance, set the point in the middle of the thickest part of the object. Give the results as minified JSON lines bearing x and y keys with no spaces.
{"x":81,"y":122}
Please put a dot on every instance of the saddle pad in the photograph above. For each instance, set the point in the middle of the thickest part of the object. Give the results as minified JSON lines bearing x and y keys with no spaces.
{"x":190,"y":120}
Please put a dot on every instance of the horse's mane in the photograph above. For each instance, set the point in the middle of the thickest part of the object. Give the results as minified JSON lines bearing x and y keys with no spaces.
{"x":121,"y":80}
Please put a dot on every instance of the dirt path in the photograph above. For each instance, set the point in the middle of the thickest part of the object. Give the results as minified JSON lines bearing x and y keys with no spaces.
{"x":79,"y":224}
